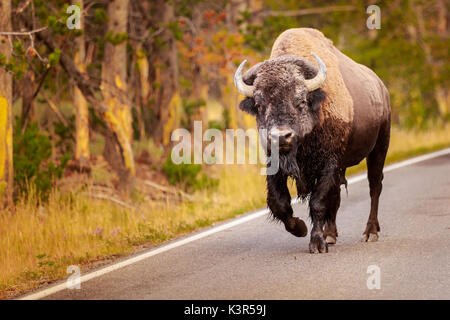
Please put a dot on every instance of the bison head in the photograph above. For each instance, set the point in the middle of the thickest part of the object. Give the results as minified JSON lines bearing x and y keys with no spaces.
{"x":284,"y":94}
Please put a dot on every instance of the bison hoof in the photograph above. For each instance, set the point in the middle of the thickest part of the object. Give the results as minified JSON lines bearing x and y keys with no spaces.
{"x":318,"y":244}
{"x":297,"y":227}
{"x":330,"y":240}
{"x":372,"y":237}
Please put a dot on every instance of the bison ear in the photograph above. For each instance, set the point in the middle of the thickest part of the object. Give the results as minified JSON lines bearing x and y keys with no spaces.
{"x":315,"y":98}
{"x":248,"y":105}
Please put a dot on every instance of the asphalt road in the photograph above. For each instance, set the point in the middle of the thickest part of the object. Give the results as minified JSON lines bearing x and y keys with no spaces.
{"x":260,"y":260}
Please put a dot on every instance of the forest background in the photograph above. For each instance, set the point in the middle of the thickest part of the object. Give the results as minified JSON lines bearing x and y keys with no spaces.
{"x":86,"y":115}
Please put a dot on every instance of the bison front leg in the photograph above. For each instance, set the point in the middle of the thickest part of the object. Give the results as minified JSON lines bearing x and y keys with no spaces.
{"x":321,"y":204}
{"x":279,"y":203}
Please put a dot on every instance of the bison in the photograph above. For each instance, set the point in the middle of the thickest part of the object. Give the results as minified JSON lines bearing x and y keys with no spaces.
{"x":324,"y":120}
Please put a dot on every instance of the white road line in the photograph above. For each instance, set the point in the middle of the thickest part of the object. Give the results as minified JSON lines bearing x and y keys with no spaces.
{"x":62,"y":286}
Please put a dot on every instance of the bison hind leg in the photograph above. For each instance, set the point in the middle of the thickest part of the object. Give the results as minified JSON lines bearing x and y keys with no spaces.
{"x":375,"y":163}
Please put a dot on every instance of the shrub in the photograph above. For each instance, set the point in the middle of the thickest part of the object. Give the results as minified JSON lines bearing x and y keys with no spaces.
{"x":181,"y":173}
{"x":32,"y":151}
{"x":215,"y":124}
{"x":190,"y":107}
{"x":187,"y":174}
{"x":65,"y":135}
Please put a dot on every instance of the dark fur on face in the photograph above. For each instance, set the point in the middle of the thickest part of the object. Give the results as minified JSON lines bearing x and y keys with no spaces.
{"x":280,"y":93}
{"x":282,"y":100}
{"x":281,"y":97}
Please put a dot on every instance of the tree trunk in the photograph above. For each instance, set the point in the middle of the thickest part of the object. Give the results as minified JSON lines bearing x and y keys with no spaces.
{"x":233,"y":9}
{"x":81,"y":108}
{"x":114,"y":88}
{"x":200,"y":94}
{"x":229,"y":102}
{"x":166,"y":76}
{"x":27,"y":89}
{"x":440,"y":93}
{"x":6,"y":130}
{"x":229,"y":94}
{"x":144,"y":87}
{"x":199,"y":85}
{"x":120,"y":140}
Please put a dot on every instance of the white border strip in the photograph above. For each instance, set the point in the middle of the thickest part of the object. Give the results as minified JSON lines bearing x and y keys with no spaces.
{"x":62,"y":286}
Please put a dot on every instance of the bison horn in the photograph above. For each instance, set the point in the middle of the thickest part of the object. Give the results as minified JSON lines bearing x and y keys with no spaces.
{"x":317,"y":81}
{"x":243,"y":88}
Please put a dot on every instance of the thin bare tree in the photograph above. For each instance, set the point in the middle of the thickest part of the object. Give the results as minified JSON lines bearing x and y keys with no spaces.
{"x":6,"y":130}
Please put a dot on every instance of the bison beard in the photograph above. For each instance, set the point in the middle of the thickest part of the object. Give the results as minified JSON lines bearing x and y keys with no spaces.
{"x":306,"y":161}
{"x":290,"y":168}
{"x":288,"y":164}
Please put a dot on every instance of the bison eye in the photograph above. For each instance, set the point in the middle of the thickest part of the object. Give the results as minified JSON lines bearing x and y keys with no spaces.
{"x":259,"y":107}
{"x":300,"y":104}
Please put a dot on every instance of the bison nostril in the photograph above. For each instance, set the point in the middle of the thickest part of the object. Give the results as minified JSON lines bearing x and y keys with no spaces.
{"x":286,"y":138}
{"x":283,"y":137}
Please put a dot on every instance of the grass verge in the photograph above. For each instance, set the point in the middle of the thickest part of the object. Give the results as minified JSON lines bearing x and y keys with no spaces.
{"x":39,"y":242}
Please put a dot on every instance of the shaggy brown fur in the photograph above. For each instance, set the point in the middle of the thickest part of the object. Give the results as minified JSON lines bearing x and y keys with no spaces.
{"x":300,"y":42}
{"x":317,"y":150}
{"x":328,"y":129}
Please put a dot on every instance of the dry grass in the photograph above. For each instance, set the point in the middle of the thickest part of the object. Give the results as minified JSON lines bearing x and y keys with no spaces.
{"x":408,"y":143}
{"x":39,"y":242}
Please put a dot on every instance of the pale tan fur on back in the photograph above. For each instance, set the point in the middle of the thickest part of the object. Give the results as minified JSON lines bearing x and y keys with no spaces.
{"x":300,"y":42}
